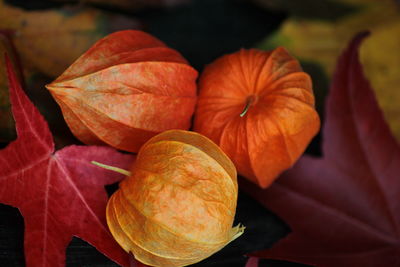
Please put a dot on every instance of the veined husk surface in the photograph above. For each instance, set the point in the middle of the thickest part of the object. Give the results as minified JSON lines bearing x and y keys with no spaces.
{"x":124,"y":90}
{"x":178,"y":205}
{"x":258,"y":106}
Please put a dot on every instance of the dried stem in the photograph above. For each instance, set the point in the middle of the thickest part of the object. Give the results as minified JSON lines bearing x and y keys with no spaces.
{"x":249,"y":102}
{"x":112,"y":168}
{"x":246,"y":108}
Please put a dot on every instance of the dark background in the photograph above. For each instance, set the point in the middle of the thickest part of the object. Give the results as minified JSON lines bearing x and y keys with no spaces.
{"x":201,"y":30}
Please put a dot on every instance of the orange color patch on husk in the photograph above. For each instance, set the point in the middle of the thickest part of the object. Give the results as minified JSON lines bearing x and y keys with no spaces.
{"x":259,"y":108}
{"x":178,"y":205}
{"x":125,"y":89}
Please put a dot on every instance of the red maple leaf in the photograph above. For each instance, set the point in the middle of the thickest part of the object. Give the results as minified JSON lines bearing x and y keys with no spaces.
{"x":344,"y":208}
{"x":60,"y":194}
{"x":252,"y":262}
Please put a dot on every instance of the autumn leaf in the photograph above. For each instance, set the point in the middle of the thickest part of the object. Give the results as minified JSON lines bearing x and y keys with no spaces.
{"x":343,"y":208}
{"x":50,"y":40}
{"x":320,"y":42}
{"x":7,"y":127}
{"x":135,"y":263}
{"x":252,"y":262}
{"x":60,"y":194}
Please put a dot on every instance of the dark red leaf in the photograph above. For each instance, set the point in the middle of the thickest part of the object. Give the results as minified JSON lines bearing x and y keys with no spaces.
{"x":344,"y":208}
{"x":135,"y":263}
{"x":60,"y":194}
{"x":252,"y":262}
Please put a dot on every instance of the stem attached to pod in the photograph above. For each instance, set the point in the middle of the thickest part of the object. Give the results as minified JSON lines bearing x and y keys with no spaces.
{"x":111,"y":168}
{"x":249,"y":101}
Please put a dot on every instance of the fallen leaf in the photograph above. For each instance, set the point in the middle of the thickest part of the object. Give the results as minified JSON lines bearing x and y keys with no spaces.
{"x":383,"y":70}
{"x":50,"y":40}
{"x":252,"y":262}
{"x":321,"y":41}
{"x":343,"y":208}
{"x":135,"y":263}
{"x":59,"y":194}
{"x":7,"y":127}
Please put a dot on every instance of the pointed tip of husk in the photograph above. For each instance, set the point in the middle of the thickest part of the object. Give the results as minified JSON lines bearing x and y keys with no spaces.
{"x":54,"y":89}
{"x":237,"y":231}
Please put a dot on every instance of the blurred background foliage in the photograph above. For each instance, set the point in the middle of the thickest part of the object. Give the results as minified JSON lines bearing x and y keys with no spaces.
{"x":318,"y":40}
{"x":44,"y":37}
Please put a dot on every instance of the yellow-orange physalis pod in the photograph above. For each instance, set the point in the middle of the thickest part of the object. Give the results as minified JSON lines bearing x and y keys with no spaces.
{"x":177,"y":206}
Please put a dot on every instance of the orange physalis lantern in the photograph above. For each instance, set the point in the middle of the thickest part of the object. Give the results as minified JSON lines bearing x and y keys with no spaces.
{"x":259,"y":108}
{"x":177,"y":206}
{"x":125,"y":89}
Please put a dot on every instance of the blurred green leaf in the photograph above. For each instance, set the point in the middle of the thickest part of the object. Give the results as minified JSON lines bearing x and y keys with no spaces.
{"x":320,"y":42}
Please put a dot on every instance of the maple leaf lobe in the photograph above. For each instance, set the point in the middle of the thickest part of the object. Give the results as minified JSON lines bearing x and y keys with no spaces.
{"x":59,"y":194}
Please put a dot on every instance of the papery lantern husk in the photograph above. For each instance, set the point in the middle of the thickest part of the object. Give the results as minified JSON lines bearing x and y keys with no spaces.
{"x":258,"y":107}
{"x":178,"y":205}
{"x":125,"y":89}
